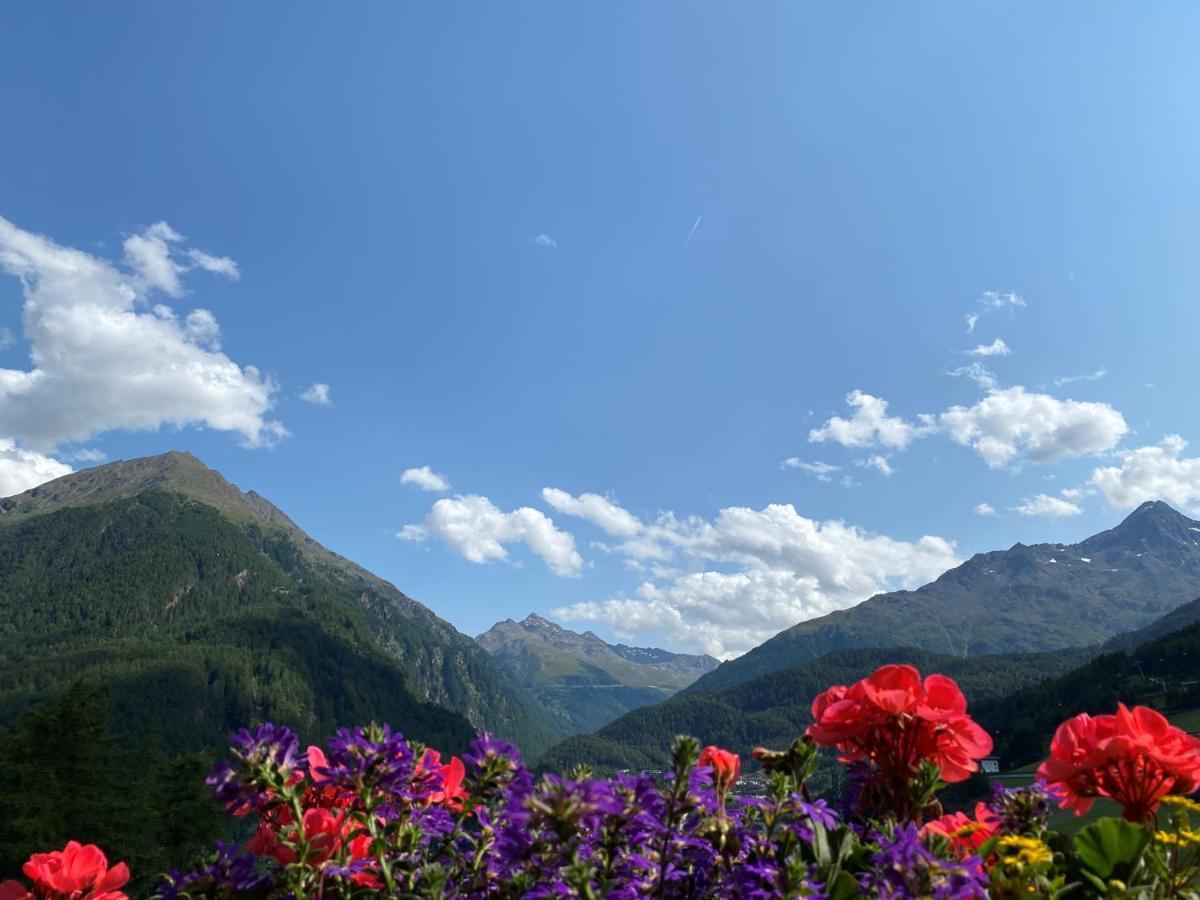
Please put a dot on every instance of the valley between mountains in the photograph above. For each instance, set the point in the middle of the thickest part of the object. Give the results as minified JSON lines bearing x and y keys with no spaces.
{"x":201,"y":608}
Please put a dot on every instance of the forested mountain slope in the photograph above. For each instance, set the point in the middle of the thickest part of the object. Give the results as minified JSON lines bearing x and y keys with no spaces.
{"x":159,"y":578}
{"x":773,"y":709}
{"x":1163,"y":672}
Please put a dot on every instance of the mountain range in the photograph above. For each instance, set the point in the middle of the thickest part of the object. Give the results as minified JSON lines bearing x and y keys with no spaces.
{"x":201,"y":608}
{"x":581,"y":680}
{"x":1026,"y":598}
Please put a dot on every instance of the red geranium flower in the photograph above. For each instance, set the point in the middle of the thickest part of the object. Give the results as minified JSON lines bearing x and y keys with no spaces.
{"x":449,"y":790}
{"x":77,"y":871}
{"x":725,"y":766}
{"x":965,"y":835}
{"x":1135,"y":757}
{"x":894,"y":720}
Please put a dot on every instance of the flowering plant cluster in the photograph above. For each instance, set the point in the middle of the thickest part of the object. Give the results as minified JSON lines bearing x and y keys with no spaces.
{"x":373,"y":814}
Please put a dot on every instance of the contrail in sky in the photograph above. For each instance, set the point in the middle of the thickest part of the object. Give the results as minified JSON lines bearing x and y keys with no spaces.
{"x":695,"y":225}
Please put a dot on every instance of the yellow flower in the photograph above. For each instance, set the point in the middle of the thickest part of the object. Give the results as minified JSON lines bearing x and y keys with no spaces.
{"x":1023,"y":851}
{"x":1184,"y":837}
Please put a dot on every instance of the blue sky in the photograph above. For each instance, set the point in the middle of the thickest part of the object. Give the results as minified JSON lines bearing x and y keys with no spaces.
{"x":641,"y":252}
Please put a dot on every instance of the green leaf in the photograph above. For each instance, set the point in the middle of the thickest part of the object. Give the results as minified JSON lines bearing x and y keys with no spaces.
{"x":844,"y":887}
{"x":1111,"y":848}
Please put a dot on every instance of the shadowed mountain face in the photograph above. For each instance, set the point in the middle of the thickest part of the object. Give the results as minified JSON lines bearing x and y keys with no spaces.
{"x":582,"y":680}
{"x":164,"y":549}
{"x":1026,"y":598}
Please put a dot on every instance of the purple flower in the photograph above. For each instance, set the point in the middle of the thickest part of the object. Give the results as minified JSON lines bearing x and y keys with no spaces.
{"x":904,"y":868}
{"x":227,"y":872}
{"x":369,"y":758}
{"x":487,"y":751}
{"x":1022,"y":810}
{"x":265,"y":757}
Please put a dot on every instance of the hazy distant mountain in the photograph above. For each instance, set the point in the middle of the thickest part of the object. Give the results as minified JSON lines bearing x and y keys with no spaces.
{"x":1026,"y":598}
{"x":187,"y":596}
{"x":580,"y":678}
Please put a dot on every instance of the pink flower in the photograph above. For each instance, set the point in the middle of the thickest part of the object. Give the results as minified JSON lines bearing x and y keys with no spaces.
{"x":965,"y":835}
{"x":895,"y":720}
{"x":725,"y":766}
{"x":1135,"y":757}
{"x":76,"y":871}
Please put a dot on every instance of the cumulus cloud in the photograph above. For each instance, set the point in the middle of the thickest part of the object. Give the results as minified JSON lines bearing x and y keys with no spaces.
{"x":544,"y":240}
{"x":103,"y":358}
{"x":984,"y":509}
{"x":1048,"y":507}
{"x":475,"y":528}
{"x":1156,"y":472}
{"x":870,"y":425}
{"x":600,"y":511}
{"x":822,"y":471}
{"x":786,"y":568}
{"x":1013,"y":423}
{"x":995,"y":348}
{"x":21,"y":470}
{"x":317,"y":394}
{"x":425,"y":478}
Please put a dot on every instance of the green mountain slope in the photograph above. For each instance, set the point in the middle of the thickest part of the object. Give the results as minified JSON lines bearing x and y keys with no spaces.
{"x":1027,"y":598}
{"x":1161,"y":672}
{"x":102,"y":569}
{"x":773,"y":709}
{"x":583,"y":681}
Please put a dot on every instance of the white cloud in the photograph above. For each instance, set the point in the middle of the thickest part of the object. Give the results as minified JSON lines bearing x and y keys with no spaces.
{"x":426,"y":479}
{"x":220,"y":265}
{"x":978,"y":373}
{"x":317,"y":394}
{"x":787,"y":568}
{"x":21,"y":470}
{"x":995,"y":348}
{"x":984,"y":509}
{"x":1070,"y":379}
{"x":87,"y":454}
{"x":822,"y":471}
{"x":1048,"y":507}
{"x":989,"y":302}
{"x":1013,"y":423}
{"x":993,"y":300}
{"x":1156,"y":472}
{"x":544,"y":240}
{"x":7,"y":338}
{"x":870,"y":425}
{"x":594,"y":508}
{"x":102,"y":360}
{"x":474,"y":527}
{"x":149,"y":254}
{"x":877,"y":462}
